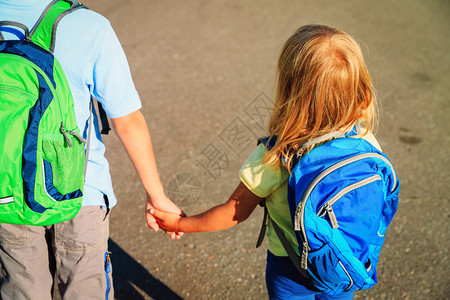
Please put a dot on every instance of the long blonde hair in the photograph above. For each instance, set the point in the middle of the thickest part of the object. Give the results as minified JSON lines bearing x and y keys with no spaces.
{"x":323,"y":86}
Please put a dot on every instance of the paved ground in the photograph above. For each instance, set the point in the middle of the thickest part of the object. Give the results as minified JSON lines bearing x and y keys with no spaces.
{"x":204,"y":70}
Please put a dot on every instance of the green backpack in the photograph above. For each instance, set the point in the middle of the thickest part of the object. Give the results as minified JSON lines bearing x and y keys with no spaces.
{"x":42,"y":159}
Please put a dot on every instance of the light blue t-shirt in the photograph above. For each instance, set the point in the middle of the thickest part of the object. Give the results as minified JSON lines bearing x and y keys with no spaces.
{"x":95,"y":64}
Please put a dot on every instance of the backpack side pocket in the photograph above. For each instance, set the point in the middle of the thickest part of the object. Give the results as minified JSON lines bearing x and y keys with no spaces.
{"x":62,"y":167}
{"x":327,"y":271}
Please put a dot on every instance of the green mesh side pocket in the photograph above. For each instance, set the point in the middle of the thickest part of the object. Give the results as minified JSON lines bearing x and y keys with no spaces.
{"x":63,"y":165}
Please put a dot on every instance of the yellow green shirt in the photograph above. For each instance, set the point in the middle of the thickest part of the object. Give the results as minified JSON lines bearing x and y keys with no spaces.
{"x":266,"y":181}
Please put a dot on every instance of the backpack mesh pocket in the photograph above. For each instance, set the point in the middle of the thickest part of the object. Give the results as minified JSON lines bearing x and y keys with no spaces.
{"x":67,"y":165}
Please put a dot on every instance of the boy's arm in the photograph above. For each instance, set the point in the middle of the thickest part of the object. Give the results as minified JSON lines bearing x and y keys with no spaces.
{"x":237,"y":209}
{"x":133,"y":132}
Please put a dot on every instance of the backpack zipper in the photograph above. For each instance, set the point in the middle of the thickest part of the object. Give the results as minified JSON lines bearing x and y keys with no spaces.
{"x":328,"y":206}
{"x":79,"y":137}
{"x":64,"y":133}
{"x":72,"y":133}
{"x":17,"y":90}
{"x":331,"y":214}
{"x":299,"y":218}
{"x":348,"y":275}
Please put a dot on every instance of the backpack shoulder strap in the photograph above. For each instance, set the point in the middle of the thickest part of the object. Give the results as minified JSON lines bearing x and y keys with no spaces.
{"x":295,"y":259}
{"x":262,"y":231}
{"x":44,"y":32}
{"x":44,"y":35}
{"x":323,"y":138}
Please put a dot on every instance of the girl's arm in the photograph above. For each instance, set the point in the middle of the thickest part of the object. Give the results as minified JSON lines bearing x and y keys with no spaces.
{"x":237,"y":208}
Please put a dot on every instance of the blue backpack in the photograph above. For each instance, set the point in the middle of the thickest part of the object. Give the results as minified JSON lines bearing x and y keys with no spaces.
{"x":342,"y":197}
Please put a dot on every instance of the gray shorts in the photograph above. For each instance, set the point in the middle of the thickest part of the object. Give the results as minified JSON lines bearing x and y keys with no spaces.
{"x":74,"y":253}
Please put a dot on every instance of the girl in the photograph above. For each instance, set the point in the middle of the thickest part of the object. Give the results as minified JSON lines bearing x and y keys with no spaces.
{"x":323,"y":86}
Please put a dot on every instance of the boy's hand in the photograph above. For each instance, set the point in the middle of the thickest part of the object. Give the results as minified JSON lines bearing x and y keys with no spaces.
{"x":168,"y":221}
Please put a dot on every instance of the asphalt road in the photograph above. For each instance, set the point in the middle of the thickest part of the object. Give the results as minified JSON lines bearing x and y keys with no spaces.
{"x":206,"y":69}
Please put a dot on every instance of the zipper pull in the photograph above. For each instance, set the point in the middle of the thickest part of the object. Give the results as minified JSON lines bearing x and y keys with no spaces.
{"x":63,"y":131}
{"x":297,"y":225}
{"x":304,"y":259}
{"x":75,"y":134}
{"x":332,"y":216}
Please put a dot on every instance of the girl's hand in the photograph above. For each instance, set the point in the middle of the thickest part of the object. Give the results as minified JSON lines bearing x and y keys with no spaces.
{"x":237,"y":208}
{"x":164,"y":204}
{"x":166,"y":220}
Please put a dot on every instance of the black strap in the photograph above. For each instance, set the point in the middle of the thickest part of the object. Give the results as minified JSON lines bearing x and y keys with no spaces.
{"x":103,"y":119}
{"x":295,"y":259}
{"x":16,"y":24}
{"x":262,"y":232}
{"x":268,"y":142}
{"x":105,"y":198}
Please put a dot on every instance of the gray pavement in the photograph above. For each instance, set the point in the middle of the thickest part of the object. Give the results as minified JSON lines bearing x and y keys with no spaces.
{"x":205,"y":69}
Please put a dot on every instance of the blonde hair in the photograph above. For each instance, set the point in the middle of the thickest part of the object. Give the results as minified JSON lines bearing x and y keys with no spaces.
{"x":323,"y":86}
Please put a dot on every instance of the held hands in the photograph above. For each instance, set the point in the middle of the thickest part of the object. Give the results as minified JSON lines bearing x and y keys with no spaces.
{"x":167,"y":220}
{"x":235,"y":210}
{"x":164,"y":204}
